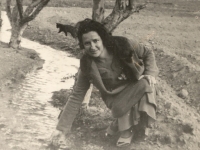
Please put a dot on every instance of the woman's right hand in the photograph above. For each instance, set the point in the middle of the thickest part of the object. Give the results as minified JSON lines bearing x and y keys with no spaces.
{"x":150,"y":79}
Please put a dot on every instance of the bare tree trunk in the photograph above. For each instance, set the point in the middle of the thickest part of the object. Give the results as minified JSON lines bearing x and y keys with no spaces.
{"x":98,"y":10}
{"x":16,"y":35}
{"x":15,"y":24}
{"x":20,"y":18}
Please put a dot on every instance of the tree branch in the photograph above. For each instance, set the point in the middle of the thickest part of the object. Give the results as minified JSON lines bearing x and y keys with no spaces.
{"x":139,"y":7}
{"x":8,"y":10}
{"x":39,"y":7}
{"x":98,"y":10}
{"x":20,"y":8}
{"x":121,"y":11}
{"x":31,"y":7}
{"x":131,"y":3}
{"x":136,"y":7}
{"x":14,"y":14}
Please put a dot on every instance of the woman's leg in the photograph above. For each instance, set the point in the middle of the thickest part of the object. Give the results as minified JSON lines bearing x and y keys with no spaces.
{"x":122,"y":124}
{"x":142,"y":114}
{"x":125,"y":124}
{"x":112,"y":128}
{"x":147,"y":109}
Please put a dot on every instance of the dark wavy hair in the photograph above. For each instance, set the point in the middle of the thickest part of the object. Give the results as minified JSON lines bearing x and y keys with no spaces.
{"x":89,"y":25}
{"x":119,"y":46}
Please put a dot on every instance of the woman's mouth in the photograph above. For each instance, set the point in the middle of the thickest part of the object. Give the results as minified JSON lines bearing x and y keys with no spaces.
{"x":93,"y":51}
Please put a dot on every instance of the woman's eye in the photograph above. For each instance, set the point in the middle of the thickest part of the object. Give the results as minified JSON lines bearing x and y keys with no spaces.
{"x":87,"y":44}
{"x":95,"y":41}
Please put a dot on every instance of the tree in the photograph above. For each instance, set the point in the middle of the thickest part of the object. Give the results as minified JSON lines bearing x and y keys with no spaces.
{"x":19,"y":18}
{"x":121,"y":11}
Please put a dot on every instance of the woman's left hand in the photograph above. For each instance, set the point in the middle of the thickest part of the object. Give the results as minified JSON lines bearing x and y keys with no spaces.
{"x":56,"y":137}
{"x":150,"y":79}
{"x":59,"y":138}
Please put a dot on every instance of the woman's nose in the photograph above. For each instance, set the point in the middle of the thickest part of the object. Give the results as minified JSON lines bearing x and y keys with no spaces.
{"x":92,"y":45}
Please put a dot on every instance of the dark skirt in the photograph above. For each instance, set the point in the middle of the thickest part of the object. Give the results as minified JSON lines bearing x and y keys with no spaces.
{"x":133,"y":116}
{"x":146,"y":105}
{"x":123,"y":101}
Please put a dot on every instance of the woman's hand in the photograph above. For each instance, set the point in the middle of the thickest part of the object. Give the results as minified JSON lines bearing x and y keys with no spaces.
{"x":150,"y":79}
{"x":55,"y":137}
{"x":58,"y":138}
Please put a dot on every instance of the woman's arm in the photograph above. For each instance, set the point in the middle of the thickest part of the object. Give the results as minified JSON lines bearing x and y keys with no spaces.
{"x":73,"y":104}
{"x":148,"y":57}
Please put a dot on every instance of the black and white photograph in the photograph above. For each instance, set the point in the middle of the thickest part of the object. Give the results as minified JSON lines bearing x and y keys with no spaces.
{"x":99,"y":74}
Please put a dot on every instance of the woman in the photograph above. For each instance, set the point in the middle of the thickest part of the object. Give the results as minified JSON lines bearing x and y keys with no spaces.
{"x":124,"y":72}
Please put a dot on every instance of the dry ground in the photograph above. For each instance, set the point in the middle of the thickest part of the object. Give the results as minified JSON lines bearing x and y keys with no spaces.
{"x":12,"y":66}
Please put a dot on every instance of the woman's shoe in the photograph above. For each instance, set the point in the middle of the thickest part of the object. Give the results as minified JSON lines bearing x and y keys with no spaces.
{"x":122,"y":142}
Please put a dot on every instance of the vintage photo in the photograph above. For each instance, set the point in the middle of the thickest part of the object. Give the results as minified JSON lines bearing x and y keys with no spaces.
{"x":99,"y":74}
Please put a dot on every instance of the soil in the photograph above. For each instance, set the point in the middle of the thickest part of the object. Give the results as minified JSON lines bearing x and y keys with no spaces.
{"x":174,"y":37}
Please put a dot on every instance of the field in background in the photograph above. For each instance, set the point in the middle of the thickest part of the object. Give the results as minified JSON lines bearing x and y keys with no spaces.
{"x":183,"y":6}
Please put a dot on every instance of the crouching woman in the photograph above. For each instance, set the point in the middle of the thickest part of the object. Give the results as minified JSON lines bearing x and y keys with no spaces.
{"x":123,"y":70}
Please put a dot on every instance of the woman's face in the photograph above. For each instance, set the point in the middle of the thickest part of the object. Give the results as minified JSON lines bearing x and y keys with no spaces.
{"x":93,"y":44}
